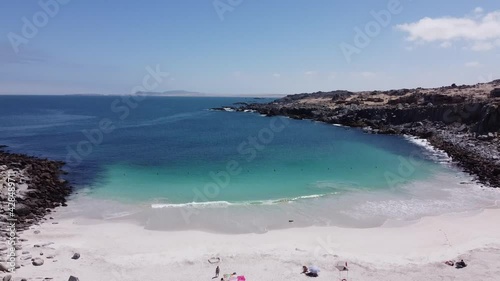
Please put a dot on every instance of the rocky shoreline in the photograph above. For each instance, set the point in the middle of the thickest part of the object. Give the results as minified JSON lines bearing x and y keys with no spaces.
{"x":463,"y":121}
{"x":31,"y":189}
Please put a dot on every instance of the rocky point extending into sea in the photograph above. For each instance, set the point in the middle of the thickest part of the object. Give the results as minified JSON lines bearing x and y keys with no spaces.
{"x":463,"y":121}
{"x":31,"y":189}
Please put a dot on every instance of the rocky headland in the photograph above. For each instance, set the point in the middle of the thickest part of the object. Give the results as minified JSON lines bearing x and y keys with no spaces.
{"x":463,"y":121}
{"x":31,"y":189}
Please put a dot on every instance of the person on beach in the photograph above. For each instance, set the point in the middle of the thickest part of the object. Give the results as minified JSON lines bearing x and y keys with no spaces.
{"x":217,"y":271}
{"x":304,"y":270}
{"x":460,"y":264}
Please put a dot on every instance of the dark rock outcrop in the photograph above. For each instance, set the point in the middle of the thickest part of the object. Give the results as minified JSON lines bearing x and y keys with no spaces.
{"x":466,"y":126}
{"x":44,"y":190}
{"x":495,"y":93}
{"x":334,"y":95}
{"x":37,"y":261}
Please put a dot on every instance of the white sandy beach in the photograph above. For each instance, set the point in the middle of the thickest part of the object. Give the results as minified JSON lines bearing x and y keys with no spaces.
{"x":125,"y":251}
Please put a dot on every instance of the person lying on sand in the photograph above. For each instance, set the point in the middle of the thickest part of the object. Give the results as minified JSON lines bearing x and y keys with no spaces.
{"x":450,"y":263}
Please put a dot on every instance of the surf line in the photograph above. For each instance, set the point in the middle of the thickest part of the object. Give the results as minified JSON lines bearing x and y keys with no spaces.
{"x":221,"y":179}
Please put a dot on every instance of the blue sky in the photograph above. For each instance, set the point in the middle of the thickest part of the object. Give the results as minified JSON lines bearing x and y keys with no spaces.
{"x":245,"y":46}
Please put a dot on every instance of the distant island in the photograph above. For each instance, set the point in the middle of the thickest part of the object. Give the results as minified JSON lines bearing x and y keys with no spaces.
{"x":175,"y":93}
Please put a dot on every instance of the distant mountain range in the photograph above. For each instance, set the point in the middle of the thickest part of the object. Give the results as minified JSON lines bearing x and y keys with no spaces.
{"x":176,"y":93}
{"x":183,"y":93}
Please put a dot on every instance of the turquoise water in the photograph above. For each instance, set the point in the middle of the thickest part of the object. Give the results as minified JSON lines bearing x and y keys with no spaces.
{"x":174,"y":150}
{"x":277,"y":172}
{"x":171,"y":163}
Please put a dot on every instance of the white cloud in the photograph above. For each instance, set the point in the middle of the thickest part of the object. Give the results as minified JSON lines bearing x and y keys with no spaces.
{"x":276,"y":75}
{"x":479,"y":34}
{"x":310,"y":73}
{"x":478,"y":10}
{"x":445,"y":44}
{"x":473,"y":64}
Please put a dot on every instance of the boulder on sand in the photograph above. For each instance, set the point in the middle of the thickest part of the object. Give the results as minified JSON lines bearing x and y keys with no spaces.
{"x":37,"y":261}
{"x":3,"y":268}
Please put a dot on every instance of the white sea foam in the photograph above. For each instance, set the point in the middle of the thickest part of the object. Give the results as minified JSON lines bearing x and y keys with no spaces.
{"x":426,"y":198}
{"x":116,"y":215}
{"x":290,"y":200}
{"x":210,"y":204}
{"x":434,"y":154}
{"x":224,"y":204}
{"x":440,"y":194}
